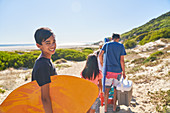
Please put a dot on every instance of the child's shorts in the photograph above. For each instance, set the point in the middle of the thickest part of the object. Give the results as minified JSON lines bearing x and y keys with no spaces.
{"x":112,"y":81}
{"x":96,"y":104}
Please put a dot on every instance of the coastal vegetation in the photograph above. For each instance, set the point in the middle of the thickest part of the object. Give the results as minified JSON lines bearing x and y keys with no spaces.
{"x":16,"y":60}
{"x":130,"y":44}
{"x":2,"y":91}
{"x":161,"y":99}
{"x":19,"y":59}
{"x":155,"y":35}
{"x":151,"y":31}
{"x":153,"y":56}
{"x":72,"y":54}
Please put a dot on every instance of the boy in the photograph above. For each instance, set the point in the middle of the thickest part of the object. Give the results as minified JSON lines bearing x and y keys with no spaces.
{"x":43,"y":67}
{"x":114,"y":65}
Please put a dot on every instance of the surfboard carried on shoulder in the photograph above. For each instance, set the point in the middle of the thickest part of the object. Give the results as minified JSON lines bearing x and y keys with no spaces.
{"x":69,"y":94}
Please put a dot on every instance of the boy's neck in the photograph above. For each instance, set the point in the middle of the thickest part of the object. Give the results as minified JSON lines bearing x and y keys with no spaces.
{"x":45,"y":56}
{"x":116,"y":40}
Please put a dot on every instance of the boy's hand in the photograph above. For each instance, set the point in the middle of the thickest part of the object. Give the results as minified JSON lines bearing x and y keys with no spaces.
{"x":124,"y":76}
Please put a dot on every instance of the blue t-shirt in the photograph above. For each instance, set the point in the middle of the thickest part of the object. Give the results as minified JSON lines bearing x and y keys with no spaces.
{"x":114,"y":51}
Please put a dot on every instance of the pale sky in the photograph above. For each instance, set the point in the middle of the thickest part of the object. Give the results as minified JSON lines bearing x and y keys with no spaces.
{"x":75,"y":21}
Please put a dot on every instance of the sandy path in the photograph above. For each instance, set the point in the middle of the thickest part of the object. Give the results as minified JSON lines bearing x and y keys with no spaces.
{"x":74,"y":69}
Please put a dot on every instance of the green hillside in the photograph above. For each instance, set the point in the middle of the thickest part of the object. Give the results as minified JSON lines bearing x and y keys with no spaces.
{"x":153,"y":30}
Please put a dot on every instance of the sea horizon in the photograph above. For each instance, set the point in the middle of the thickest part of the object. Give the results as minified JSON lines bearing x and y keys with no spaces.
{"x":28,"y":47}
{"x":32,"y":44}
{"x":7,"y":45}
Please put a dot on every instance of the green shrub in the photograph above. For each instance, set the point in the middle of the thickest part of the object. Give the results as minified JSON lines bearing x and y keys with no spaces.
{"x":155,"y":35}
{"x":12,"y":59}
{"x":162,"y":21}
{"x":162,"y":33}
{"x":129,"y":44}
{"x":150,"y":59}
{"x":4,"y":58}
{"x":69,"y":54}
{"x":141,"y":36}
{"x":87,"y":51}
{"x":2,"y":91}
{"x":36,"y":52}
{"x":157,"y":53}
{"x":153,"y":56}
{"x":88,"y":48}
{"x":27,"y":59}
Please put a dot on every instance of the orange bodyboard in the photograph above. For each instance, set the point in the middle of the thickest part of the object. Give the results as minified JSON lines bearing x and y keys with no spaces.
{"x":69,"y":94}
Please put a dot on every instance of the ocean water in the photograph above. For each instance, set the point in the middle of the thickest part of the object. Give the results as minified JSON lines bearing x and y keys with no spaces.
{"x":58,"y":44}
{"x":10,"y":45}
{"x":17,"y":47}
{"x":28,"y":47}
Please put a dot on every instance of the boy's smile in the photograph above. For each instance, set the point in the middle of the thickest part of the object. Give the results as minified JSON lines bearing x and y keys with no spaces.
{"x":48,"y":47}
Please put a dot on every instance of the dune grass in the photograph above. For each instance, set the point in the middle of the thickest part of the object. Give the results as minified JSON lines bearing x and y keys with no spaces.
{"x":161,"y":99}
{"x":59,"y":66}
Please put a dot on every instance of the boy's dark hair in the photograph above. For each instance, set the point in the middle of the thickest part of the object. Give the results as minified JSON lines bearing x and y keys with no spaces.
{"x":91,"y":67}
{"x":115,"y":36}
{"x":42,"y":34}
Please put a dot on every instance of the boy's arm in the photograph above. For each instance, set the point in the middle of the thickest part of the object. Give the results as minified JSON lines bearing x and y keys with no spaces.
{"x":101,"y":57}
{"x":122,"y":65}
{"x":45,"y":97}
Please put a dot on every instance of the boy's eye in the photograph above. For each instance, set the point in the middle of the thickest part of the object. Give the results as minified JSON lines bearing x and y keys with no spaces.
{"x":48,"y":43}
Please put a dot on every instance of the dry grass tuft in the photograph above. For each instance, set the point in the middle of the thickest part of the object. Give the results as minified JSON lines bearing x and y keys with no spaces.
{"x":161,"y":99}
{"x":59,"y":66}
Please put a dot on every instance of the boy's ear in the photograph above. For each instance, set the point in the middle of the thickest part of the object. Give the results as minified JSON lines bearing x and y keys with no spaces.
{"x":38,"y":45}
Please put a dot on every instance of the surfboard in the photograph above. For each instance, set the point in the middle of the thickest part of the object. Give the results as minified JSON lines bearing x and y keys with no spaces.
{"x":69,"y":94}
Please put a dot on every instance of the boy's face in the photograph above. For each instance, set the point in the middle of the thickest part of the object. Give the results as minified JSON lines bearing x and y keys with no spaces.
{"x":48,"y":46}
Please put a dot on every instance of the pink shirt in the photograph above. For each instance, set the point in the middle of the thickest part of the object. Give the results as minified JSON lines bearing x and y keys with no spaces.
{"x":98,"y":77}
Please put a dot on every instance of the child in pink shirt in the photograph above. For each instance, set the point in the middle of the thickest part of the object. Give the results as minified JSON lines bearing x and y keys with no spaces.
{"x":91,"y":72}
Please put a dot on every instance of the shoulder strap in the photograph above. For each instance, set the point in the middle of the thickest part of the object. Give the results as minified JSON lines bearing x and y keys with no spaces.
{"x":104,"y":67}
